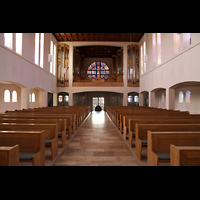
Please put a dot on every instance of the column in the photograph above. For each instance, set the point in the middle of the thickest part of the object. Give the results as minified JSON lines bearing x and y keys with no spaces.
{"x":170,"y":98}
{"x":25,"y":92}
{"x":125,"y":101}
{"x":70,"y":71}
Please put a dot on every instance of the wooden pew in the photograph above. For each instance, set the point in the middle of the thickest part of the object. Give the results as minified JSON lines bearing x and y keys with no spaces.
{"x":184,"y":155}
{"x":40,"y":116}
{"x":157,"y":121}
{"x":142,"y":129}
{"x":31,"y":145}
{"x":61,"y":124}
{"x":159,"y":144}
{"x":9,"y":156}
{"x":43,"y":111}
{"x":51,"y":133}
{"x":156,"y":116}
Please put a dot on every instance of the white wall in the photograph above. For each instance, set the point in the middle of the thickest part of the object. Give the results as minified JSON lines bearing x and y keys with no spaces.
{"x":174,"y":69}
{"x":22,"y":70}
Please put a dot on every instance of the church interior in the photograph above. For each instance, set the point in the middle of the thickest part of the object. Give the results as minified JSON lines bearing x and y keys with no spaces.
{"x":86,"y":70}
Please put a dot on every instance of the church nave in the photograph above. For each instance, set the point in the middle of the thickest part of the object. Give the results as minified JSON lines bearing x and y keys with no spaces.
{"x":97,"y":143}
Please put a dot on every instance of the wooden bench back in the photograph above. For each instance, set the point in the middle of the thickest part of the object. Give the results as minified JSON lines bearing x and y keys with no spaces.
{"x":159,"y":142}
{"x":165,"y":116}
{"x":37,"y":116}
{"x":163,"y":121}
{"x":51,"y":130}
{"x":9,"y":156}
{"x":61,"y":122}
{"x":28,"y":141}
{"x":142,"y":129}
{"x":184,"y":155}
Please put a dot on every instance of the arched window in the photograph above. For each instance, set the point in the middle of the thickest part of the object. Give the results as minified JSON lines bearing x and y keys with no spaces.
{"x":188,"y":97}
{"x":6,"y":96}
{"x":33,"y":97}
{"x":181,"y":97}
{"x":66,"y":98}
{"x":60,"y":98}
{"x":98,"y":70}
{"x":14,"y":96}
{"x":130,"y":99}
{"x":136,"y":99}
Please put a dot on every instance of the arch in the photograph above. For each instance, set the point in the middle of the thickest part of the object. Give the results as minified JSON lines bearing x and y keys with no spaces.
{"x":185,"y":83}
{"x":6,"y":96}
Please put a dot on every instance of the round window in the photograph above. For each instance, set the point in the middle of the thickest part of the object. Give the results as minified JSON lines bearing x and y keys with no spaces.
{"x":98,"y":70}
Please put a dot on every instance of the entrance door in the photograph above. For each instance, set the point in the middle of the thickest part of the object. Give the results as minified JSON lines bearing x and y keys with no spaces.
{"x":98,"y":101}
{"x":95,"y":103}
{"x":101,"y":102}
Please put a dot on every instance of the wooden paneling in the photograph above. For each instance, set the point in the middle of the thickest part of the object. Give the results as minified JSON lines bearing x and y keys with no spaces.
{"x":121,"y":37}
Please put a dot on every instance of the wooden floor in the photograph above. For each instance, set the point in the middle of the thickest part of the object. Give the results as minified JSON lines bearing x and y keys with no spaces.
{"x":97,"y":143}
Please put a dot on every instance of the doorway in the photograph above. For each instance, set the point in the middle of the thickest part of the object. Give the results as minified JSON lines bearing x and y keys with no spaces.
{"x":98,"y":101}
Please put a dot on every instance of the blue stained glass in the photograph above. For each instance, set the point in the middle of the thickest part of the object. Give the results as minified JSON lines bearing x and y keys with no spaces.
{"x":98,"y":70}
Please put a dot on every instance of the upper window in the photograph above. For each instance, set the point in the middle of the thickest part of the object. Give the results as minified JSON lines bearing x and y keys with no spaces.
{"x":8,"y":38}
{"x":39,"y":49}
{"x":19,"y":43}
{"x":98,"y":70}
{"x":176,"y":43}
{"x":186,"y":40}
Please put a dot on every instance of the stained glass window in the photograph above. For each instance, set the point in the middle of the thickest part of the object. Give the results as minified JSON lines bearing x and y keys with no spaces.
{"x":188,"y":97}
{"x":181,"y":97}
{"x":98,"y":70}
{"x":60,"y":98}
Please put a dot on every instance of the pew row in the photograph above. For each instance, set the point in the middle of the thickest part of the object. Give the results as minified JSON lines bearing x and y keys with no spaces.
{"x":157,"y":121}
{"x":31,"y":145}
{"x":142,"y":129}
{"x":51,"y":133}
{"x":9,"y":156}
{"x":61,"y":124}
{"x":159,"y":144}
{"x":184,"y":155}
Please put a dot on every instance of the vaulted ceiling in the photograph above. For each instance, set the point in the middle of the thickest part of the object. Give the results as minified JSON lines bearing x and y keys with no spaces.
{"x":111,"y":37}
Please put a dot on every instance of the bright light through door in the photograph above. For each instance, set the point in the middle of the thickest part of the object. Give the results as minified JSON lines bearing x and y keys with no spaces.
{"x":97,"y":101}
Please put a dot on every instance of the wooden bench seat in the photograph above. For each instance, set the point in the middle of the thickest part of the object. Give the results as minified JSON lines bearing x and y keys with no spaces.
{"x":51,"y":133}
{"x":142,"y":129}
{"x":9,"y":156}
{"x":184,"y":155}
{"x":159,"y":142}
{"x":29,"y":142}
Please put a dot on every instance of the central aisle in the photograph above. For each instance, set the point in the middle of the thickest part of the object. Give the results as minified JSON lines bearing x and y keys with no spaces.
{"x":97,"y":143}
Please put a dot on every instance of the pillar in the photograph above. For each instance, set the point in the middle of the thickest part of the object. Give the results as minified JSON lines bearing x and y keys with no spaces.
{"x":170,"y":98}
{"x":25,"y":98}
